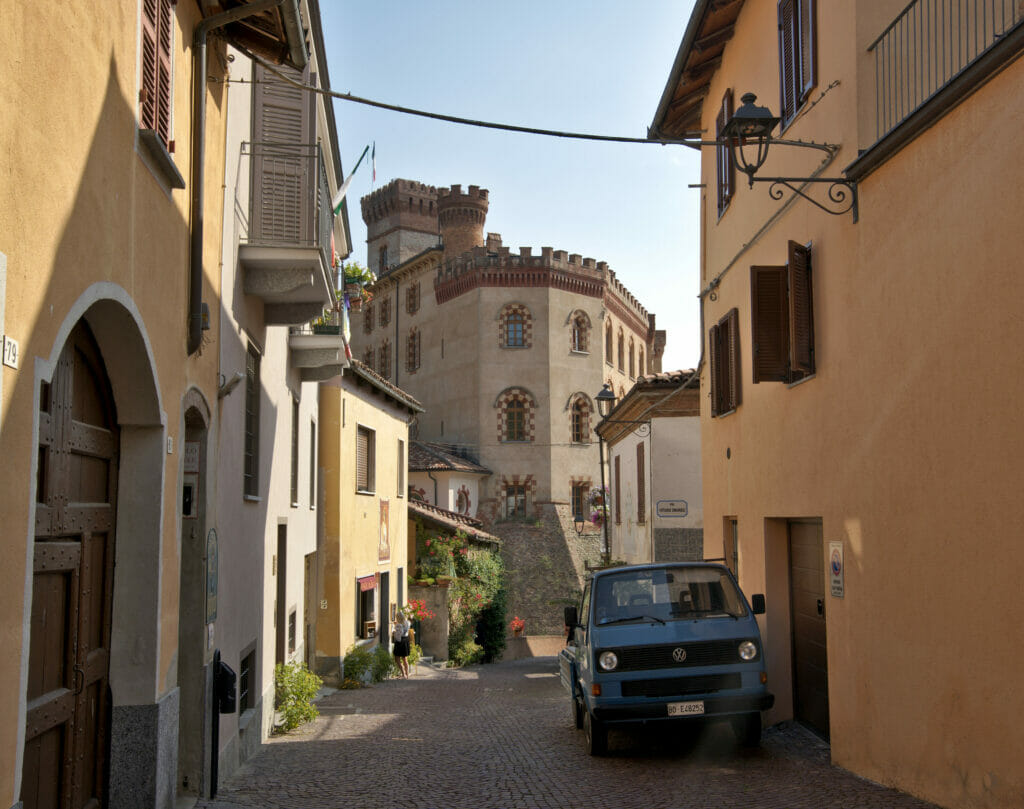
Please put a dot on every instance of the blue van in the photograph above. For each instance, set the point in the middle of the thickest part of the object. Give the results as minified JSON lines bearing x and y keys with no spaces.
{"x":664,"y":643}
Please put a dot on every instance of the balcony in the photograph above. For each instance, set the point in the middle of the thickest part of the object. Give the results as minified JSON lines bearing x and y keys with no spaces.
{"x":931,"y":57}
{"x":318,"y":350}
{"x":286,"y":256}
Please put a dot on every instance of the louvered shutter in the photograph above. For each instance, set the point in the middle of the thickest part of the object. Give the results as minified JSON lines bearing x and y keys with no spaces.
{"x":721,"y":153}
{"x":769,"y":321}
{"x":155,"y":98}
{"x":801,"y":310}
{"x":641,"y":486}
{"x":732,"y":349}
{"x":808,"y":55}
{"x":284,"y":159}
{"x":715,"y":348}
{"x":788,"y":68}
{"x":362,"y":460}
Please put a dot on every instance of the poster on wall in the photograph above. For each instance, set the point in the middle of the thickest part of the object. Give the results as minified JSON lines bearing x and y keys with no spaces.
{"x":384,"y":544}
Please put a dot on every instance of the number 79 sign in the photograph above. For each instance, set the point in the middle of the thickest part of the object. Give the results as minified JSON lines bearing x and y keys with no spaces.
{"x":10,"y":352}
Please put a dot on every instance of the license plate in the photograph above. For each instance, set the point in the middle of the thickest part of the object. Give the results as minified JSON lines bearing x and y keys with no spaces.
{"x":686,"y":708}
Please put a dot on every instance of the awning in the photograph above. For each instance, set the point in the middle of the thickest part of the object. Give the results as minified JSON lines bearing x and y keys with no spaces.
{"x":367,"y":583}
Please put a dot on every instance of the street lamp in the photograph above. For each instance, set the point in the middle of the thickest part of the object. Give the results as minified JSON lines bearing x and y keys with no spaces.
{"x":753,"y":125}
{"x":578,"y":521}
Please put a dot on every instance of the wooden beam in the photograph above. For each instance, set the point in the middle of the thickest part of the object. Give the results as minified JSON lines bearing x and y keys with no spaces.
{"x":714,"y":39}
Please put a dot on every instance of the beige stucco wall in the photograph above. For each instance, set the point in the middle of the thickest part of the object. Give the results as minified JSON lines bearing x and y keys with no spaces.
{"x":84,"y":221}
{"x":352,"y":519}
{"x":903,"y":442}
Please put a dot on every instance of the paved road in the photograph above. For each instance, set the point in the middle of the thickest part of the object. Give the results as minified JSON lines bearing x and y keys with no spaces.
{"x":501,"y":736}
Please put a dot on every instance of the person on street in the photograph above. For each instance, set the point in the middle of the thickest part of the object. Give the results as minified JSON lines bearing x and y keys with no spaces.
{"x":400,"y":638}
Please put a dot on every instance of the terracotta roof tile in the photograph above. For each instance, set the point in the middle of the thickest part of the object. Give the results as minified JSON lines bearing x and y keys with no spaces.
{"x":425,"y":456}
{"x":452,"y":520}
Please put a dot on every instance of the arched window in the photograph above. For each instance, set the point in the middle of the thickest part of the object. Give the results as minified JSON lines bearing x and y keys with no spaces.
{"x":608,"y":357}
{"x":515,"y":420}
{"x":580,"y":419}
{"x":579,"y":336}
{"x":642,"y":368}
{"x":384,"y":366}
{"x":632,"y":359}
{"x":622,"y":351}
{"x":515,"y":327}
{"x":516,"y":409}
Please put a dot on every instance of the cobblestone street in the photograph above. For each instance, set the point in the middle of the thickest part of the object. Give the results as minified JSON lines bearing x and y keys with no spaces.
{"x":501,"y":736}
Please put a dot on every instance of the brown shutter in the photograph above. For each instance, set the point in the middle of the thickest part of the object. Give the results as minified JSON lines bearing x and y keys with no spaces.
{"x":769,"y":324}
{"x":641,"y":487}
{"x":155,"y":98}
{"x":721,"y":160}
{"x":788,"y":78}
{"x":163,"y":78}
{"x":801,"y":311}
{"x":732,"y":348}
{"x":618,"y":490}
{"x":715,"y":349}
{"x":150,"y":59}
{"x":808,"y":52}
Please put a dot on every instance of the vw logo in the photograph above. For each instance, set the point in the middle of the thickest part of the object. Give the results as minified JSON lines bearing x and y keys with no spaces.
{"x":679,"y":654}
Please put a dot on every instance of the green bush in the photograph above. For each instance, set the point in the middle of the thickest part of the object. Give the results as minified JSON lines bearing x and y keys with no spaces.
{"x":383,"y":664}
{"x":465,"y":653}
{"x":475,"y":600}
{"x":415,"y":653}
{"x":490,"y":627}
{"x":294,"y":689}
{"x":358,"y":663}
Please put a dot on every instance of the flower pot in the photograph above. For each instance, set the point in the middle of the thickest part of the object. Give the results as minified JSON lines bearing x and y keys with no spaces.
{"x":517,"y":633}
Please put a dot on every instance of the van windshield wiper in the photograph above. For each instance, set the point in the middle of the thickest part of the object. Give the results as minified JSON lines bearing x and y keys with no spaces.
{"x":630,"y":618}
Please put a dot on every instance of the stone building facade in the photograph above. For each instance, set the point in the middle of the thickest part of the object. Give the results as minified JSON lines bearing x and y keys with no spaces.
{"x":506,"y":351}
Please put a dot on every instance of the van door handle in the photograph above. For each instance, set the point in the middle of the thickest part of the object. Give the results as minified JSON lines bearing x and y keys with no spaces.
{"x":821,"y":606}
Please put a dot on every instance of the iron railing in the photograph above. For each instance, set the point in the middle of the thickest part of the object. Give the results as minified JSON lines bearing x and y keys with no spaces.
{"x":927,"y":46}
{"x":290,"y":198}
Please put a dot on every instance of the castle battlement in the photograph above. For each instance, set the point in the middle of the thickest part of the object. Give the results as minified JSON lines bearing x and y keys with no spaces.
{"x":400,"y":197}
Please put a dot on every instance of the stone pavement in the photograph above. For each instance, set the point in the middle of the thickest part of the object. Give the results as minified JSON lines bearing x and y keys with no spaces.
{"x":502,"y":736}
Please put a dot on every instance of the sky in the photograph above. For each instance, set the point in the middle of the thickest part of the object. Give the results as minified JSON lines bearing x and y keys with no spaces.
{"x":598,"y":67}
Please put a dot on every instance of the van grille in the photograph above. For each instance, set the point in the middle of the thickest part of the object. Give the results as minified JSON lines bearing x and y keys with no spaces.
{"x":681,"y":686}
{"x":703,"y":653}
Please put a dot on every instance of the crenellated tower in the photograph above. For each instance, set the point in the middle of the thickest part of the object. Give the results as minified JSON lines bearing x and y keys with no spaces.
{"x":461,"y":218}
{"x":401,"y":221}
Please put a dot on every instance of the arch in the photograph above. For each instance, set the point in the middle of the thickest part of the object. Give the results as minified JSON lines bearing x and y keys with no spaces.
{"x":515,"y":326}
{"x":632,"y":359}
{"x":641,"y":367}
{"x":579,"y":330}
{"x":609,"y":357}
{"x":136,"y":671}
{"x":580,"y":411}
{"x":622,"y":350}
{"x":517,"y":409}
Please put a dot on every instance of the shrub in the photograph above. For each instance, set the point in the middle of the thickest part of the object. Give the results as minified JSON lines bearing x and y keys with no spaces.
{"x":490,"y":626}
{"x":357,"y":663}
{"x":383,"y":664}
{"x":294,"y":689}
{"x":415,"y":653}
{"x":465,"y":653}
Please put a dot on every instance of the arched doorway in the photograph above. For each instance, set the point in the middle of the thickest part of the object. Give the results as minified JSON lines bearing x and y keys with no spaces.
{"x":67,"y":733}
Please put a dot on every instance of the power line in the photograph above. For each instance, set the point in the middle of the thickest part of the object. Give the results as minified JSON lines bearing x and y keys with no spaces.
{"x":454,"y":119}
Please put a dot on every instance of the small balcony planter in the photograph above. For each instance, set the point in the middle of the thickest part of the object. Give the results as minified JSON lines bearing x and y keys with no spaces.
{"x":327,"y":328}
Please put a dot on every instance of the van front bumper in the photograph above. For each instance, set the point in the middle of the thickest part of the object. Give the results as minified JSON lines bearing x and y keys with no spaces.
{"x":651,"y":710}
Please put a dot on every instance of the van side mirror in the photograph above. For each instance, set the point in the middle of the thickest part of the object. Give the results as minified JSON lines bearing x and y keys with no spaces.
{"x":571,"y":618}
{"x":757,"y":604}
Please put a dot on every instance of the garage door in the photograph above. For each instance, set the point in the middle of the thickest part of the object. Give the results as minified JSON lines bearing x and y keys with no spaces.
{"x":810,"y":647}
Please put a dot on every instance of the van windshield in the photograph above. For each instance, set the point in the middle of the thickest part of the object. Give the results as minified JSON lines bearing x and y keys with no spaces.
{"x":666,"y":594}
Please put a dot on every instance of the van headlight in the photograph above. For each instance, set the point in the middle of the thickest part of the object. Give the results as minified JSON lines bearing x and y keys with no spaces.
{"x":608,"y":661}
{"x":748,"y":650}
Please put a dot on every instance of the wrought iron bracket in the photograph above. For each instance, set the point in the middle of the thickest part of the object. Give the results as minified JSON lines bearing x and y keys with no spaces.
{"x":642,"y":430}
{"x":842,"y":193}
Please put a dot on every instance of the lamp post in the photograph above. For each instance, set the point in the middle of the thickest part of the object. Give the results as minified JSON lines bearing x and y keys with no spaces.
{"x":753,"y":125}
{"x":605,"y":405}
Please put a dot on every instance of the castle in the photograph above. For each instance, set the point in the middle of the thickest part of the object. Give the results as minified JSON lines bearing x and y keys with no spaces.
{"x":506,"y":351}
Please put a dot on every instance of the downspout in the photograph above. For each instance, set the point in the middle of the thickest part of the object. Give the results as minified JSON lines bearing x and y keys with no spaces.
{"x":297,"y":51}
{"x":431,"y":476}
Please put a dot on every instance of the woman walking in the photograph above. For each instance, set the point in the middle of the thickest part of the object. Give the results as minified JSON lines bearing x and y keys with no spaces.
{"x":400,"y":636}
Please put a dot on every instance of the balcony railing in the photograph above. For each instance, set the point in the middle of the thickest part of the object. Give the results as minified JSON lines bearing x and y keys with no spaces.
{"x":928,"y":46}
{"x":290,"y":200}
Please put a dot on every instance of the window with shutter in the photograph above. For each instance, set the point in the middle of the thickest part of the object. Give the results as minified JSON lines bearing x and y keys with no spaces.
{"x":618,"y":491}
{"x":724,"y":347}
{"x":365,"y":439}
{"x":782,"y":318}
{"x":797,"y":55}
{"x":157,"y":80}
{"x":723,"y":154}
{"x":295,"y":454}
{"x":251,"y":459}
{"x":641,"y":491}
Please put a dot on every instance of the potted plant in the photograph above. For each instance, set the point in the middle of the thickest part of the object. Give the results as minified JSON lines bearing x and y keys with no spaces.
{"x":517,"y":625}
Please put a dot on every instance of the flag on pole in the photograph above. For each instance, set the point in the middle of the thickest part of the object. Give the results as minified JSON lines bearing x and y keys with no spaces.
{"x":340,"y":196}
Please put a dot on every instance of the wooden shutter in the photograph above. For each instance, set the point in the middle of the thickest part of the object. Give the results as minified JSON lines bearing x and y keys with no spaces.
{"x":788,"y":76}
{"x":715,"y":349}
{"x":808,"y":51}
{"x":801,"y":311}
{"x":769,"y":316}
{"x":641,"y":485}
{"x":156,"y":68}
{"x":284,"y":178}
{"x":618,"y":491}
{"x":362,"y":460}
{"x":726,"y":168}
{"x":731,"y":348}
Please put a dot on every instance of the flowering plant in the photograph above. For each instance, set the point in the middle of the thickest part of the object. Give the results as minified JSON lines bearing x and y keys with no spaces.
{"x":417,"y":610}
{"x":517,"y":624}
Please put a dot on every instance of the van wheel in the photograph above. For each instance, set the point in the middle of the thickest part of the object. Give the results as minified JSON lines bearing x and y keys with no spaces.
{"x":596,"y":734}
{"x":577,"y":711}
{"x":747,"y":729}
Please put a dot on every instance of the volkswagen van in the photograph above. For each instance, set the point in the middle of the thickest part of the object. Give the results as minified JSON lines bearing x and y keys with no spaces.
{"x":664,"y":643}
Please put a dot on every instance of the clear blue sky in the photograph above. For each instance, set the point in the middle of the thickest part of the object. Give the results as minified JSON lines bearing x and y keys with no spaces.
{"x":597,"y":66}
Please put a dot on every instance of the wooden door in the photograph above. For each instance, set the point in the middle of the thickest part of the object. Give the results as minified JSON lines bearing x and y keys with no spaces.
{"x":68,"y":719}
{"x":810,"y":646}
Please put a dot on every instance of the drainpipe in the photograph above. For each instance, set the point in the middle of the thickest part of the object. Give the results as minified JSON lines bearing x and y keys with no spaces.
{"x":297,"y":51}
{"x":431,"y":476}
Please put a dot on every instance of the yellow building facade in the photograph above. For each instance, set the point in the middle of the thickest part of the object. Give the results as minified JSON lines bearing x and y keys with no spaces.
{"x":860,"y":431}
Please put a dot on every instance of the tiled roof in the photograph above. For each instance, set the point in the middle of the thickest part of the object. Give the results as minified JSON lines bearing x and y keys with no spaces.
{"x":363,"y":371}
{"x":670,"y":378}
{"x":451,"y":520}
{"x":429,"y":457}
